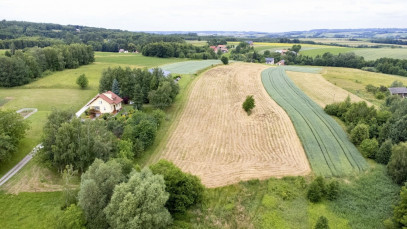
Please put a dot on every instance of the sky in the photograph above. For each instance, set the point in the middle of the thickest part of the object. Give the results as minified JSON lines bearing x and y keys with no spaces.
{"x":213,"y":15}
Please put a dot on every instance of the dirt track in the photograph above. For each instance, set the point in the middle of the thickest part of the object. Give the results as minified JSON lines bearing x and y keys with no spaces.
{"x":217,"y":141}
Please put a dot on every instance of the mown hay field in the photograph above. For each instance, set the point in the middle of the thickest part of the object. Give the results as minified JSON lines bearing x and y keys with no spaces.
{"x":320,"y":90}
{"x":189,"y":67}
{"x":216,"y":140}
{"x":329,"y":151}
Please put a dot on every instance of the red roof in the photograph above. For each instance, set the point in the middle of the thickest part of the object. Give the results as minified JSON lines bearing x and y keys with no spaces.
{"x":115,"y":98}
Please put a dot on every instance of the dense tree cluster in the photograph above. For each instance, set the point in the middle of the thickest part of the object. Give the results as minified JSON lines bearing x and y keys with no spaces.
{"x":12,"y":130}
{"x":114,"y":197}
{"x":318,"y":190}
{"x":380,"y":134}
{"x":27,"y":42}
{"x":21,"y":67}
{"x":141,"y":86}
{"x":181,"y":50}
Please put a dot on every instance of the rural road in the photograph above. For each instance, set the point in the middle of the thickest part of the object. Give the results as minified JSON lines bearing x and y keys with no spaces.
{"x":27,"y":158}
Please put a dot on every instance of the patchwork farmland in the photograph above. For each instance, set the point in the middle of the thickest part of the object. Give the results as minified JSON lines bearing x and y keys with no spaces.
{"x":329,"y":151}
{"x":216,"y":140}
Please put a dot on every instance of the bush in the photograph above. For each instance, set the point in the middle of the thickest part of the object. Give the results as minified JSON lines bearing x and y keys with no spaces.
{"x":12,"y":130}
{"x":371,"y":88}
{"x":384,"y":153}
{"x":82,"y":81}
{"x":317,"y":190}
{"x":380,"y":95}
{"x":332,"y":190}
{"x":369,"y":147}
{"x":249,"y":104}
{"x":397,"y":166}
{"x":400,"y":210}
{"x":185,"y":189}
{"x":359,"y":133}
{"x":322,"y":223}
{"x":224,"y":60}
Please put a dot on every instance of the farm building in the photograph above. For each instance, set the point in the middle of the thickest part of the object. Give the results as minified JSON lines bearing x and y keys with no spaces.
{"x":107,"y":102}
{"x":219,"y":47}
{"x":282,"y":52}
{"x":269,"y":60}
{"x":121,"y":50}
{"x":401,"y":91}
{"x":281,"y":62}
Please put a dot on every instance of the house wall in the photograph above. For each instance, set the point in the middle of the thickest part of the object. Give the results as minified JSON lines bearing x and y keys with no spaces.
{"x":104,"y":107}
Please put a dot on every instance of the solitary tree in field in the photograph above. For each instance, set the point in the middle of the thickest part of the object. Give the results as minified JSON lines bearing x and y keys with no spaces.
{"x":115,"y":87}
{"x":224,"y":60}
{"x":82,"y":81}
{"x":249,"y":104}
{"x":322,"y":223}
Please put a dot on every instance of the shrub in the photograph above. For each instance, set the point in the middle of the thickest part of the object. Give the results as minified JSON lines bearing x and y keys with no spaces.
{"x":185,"y":189}
{"x":249,"y":104}
{"x":332,"y":190}
{"x":316,"y":190}
{"x":369,"y":147}
{"x":359,"y":133}
{"x":82,"y":81}
{"x":224,"y":60}
{"x":384,"y":153}
{"x":380,"y":95}
{"x":322,"y":223}
{"x":397,"y":166}
{"x":400,"y":210}
{"x":371,"y":88}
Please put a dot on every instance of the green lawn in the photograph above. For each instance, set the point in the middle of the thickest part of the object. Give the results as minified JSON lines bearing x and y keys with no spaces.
{"x":29,"y":210}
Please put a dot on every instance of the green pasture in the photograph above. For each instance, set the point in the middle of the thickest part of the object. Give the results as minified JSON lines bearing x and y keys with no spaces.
{"x":321,"y":51}
{"x":189,"y":67}
{"x":355,"y":81}
{"x":373,"y":54}
{"x":328,"y":149}
{"x":136,"y":60}
{"x":306,"y":69}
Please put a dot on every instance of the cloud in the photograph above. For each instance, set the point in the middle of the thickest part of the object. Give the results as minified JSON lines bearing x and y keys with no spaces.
{"x":226,"y":15}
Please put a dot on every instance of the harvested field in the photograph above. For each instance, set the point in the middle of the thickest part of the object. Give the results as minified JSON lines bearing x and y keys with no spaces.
{"x":217,"y":141}
{"x":329,"y":151}
{"x":320,"y":90}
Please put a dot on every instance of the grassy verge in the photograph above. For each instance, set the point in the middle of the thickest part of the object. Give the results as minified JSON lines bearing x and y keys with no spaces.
{"x":365,"y":202}
{"x":29,"y":210}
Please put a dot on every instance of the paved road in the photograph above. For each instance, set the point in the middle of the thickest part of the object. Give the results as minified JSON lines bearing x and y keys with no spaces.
{"x":27,"y":158}
{"x":20,"y":165}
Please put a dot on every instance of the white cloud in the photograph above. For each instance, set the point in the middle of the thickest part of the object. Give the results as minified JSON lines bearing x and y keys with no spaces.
{"x":226,"y":15}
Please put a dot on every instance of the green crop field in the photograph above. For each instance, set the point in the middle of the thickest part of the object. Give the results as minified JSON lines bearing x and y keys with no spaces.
{"x":306,"y":69}
{"x":321,"y":51}
{"x":329,"y":151}
{"x":189,"y":67}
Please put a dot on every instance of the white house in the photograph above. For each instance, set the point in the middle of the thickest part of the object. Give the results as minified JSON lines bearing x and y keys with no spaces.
{"x":107,"y":102}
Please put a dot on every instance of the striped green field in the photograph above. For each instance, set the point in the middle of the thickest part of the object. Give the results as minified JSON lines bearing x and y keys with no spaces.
{"x":328,"y":149}
{"x":189,"y":67}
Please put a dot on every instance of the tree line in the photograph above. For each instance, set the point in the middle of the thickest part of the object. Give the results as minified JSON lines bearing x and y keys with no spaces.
{"x":23,"y":66}
{"x":179,"y":50}
{"x":27,"y":42}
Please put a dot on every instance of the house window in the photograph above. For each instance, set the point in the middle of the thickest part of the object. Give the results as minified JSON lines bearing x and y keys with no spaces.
{"x":104,"y":108}
{"x":100,"y":102}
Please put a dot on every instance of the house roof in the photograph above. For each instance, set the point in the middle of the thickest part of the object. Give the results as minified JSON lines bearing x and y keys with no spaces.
{"x":398,"y":90}
{"x":270,"y":59}
{"x":115,"y":99}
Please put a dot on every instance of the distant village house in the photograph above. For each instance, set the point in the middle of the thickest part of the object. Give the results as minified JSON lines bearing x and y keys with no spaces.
{"x":269,"y":60}
{"x":400,"y":91}
{"x":281,"y":62}
{"x":107,"y":102}
{"x":222,"y":48}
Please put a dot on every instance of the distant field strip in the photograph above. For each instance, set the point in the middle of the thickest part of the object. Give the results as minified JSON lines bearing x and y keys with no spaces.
{"x":216,"y":140}
{"x":329,"y":151}
{"x":189,"y":67}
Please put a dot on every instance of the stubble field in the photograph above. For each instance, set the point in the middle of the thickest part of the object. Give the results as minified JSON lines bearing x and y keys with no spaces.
{"x":217,"y":141}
